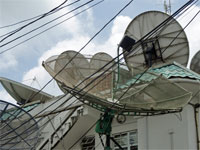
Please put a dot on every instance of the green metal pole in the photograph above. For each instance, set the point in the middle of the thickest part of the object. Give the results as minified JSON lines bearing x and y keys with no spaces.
{"x":118,"y":67}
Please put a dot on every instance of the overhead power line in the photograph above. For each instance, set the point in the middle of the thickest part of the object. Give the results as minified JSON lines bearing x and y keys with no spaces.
{"x":115,"y":58}
{"x":109,"y":62}
{"x":82,"y":48}
{"x":8,"y":49}
{"x":41,"y":17}
{"x":22,"y":21}
{"x":120,"y":54}
{"x":45,"y":24}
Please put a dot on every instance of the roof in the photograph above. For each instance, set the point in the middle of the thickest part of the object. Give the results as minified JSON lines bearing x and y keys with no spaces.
{"x":173,"y":70}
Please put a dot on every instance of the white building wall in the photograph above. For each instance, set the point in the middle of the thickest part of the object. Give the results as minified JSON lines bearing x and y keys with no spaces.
{"x":164,"y":132}
{"x":170,"y":132}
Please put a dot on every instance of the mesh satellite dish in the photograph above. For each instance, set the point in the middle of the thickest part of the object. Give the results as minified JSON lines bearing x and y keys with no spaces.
{"x":195,"y":63}
{"x":169,"y":44}
{"x":18,"y":128}
{"x":80,"y":68}
{"x":23,"y":93}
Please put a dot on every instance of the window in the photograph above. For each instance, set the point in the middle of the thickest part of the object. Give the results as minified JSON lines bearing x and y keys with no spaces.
{"x":88,"y":143}
{"x":127,"y":140}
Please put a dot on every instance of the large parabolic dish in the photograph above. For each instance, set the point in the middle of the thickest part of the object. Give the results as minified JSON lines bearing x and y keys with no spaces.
{"x":148,"y":95}
{"x":18,"y":129}
{"x":167,"y":45}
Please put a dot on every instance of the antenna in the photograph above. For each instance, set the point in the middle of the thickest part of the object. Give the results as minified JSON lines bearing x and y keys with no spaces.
{"x":167,"y":7}
{"x":16,"y":127}
{"x":35,"y":80}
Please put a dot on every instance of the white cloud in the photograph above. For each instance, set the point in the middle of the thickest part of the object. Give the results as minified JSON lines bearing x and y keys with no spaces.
{"x":119,"y":26}
{"x":7,"y":61}
{"x":15,"y":12}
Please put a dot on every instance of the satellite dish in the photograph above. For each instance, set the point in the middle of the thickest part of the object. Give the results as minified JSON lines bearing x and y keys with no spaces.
{"x":190,"y":85}
{"x":79,"y":69}
{"x":195,"y":63}
{"x":155,"y":96}
{"x":157,"y":50}
{"x":23,"y":93}
{"x":18,"y":128}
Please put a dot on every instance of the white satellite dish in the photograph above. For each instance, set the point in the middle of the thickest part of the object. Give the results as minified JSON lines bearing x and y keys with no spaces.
{"x":79,"y":69}
{"x":23,"y":93}
{"x":19,"y":130}
{"x":190,"y":85}
{"x":195,"y":63}
{"x":158,"y":49}
{"x":155,"y":96}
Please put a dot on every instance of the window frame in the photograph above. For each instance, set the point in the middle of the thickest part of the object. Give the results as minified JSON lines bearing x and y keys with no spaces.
{"x":128,"y":136}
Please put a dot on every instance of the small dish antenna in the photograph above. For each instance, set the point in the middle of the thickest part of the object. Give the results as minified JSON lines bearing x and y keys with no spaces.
{"x":23,"y":93}
{"x":166,"y":46}
{"x":19,"y":130}
{"x":195,"y":63}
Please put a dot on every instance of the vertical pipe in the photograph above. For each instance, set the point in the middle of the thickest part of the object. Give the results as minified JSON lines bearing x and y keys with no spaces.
{"x":196,"y":125}
{"x":171,"y":134}
{"x":107,"y":142}
{"x":147,"y":133}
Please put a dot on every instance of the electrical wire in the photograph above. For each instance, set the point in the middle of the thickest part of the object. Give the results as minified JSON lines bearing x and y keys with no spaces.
{"x":41,"y":17}
{"x":97,"y":71}
{"x":93,"y":74}
{"x":122,"y":96}
{"x":19,"y":22}
{"x":91,"y":40}
{"x":85,"y":46}
{"x":44,"y":24}
{"x":8,"y":49}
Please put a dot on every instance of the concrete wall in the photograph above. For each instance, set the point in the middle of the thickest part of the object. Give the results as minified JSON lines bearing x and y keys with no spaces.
{"x":171,"y":131}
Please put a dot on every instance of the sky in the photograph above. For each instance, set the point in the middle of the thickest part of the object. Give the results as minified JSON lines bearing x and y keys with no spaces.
{"x":24,"y":62}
